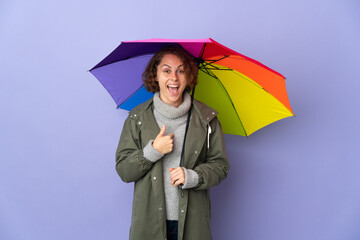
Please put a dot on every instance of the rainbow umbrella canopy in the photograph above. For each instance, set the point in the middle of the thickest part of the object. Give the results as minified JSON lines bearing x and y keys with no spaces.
{"x":247,"y":94}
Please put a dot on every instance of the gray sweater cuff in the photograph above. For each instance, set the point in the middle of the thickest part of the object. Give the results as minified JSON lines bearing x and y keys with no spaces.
{"x":150,"y":153}
{"x":191,"y":179}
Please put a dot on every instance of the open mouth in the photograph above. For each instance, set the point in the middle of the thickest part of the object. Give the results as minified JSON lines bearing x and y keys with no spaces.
{"x":173,"y":89}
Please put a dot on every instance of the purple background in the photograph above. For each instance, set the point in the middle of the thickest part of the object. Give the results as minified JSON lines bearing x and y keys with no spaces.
{"x":293,"y":180}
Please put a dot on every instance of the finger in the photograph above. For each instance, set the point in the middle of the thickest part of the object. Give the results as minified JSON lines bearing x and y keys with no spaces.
{"x":171,"y":135}
{"x":174,"y":176}
{"x":171,"y":169}
{"x":177,"y":176}
{"x":175,"y":172}
{"x":172,"y":173}
{"x":162,"y":130}
{"x":179,"y":181}
{"x":179,"y":170}
{"x":169,"y":139}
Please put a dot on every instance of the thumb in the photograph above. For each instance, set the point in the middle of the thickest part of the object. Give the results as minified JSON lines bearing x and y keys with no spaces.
{"x":162,"y":131}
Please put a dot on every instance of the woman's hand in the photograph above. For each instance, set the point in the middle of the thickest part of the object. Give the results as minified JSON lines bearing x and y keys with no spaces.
{"x":177,"y":176}
{"x":163,"y":144}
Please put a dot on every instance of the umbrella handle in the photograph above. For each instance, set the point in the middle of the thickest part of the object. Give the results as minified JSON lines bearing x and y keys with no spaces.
{"x":187,"y":127}
{"x":186,"y":130}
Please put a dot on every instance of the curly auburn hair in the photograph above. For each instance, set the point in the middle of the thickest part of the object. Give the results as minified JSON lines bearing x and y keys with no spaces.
{"x":150,"y":74}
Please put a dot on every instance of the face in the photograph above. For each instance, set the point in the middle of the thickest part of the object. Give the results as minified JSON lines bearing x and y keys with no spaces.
{"x":172,"y":80}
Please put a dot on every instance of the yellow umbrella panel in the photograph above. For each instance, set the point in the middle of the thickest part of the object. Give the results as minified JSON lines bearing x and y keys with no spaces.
{"x":243,"y":105}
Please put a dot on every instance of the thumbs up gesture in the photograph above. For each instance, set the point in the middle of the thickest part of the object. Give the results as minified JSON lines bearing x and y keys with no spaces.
{"x":163,"y":143}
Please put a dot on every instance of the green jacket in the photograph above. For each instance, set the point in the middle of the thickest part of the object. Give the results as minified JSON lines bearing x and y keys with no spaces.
{"x":205,"y":156}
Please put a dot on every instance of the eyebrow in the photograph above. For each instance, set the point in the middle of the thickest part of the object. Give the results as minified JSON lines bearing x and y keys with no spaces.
{"x":170,"y":67}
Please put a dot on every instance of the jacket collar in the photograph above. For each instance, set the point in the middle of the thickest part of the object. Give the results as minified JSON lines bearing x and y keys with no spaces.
{"x":205,"y":112}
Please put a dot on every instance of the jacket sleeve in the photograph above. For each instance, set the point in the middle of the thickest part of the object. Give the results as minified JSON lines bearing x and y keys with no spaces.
{"x":131,"y":165}
{"x":216,"y":165}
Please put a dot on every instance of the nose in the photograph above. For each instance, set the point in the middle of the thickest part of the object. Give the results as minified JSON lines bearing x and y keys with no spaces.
{"x":173,"y":76}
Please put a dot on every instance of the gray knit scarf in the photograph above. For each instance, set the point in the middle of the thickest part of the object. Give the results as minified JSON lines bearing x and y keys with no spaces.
{"x":175,"y":122}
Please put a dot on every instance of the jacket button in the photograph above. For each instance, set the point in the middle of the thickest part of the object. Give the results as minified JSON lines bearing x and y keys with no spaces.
{"x":154,"y":178}
{"x":134,"y":115}
{"x":139,"y":123}
{"x":213,"y":113}
{"x":160,"y":209}
{"x":182,"y":211}
{"x":207,"y":118}
{"x":196,"y":152}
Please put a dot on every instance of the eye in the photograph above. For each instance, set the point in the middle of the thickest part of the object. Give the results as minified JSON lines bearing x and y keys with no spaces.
{"x":166,"y":70}
{"x":181,"y":71}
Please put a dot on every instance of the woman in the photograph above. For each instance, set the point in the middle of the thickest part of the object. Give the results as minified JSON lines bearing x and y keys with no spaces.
{"x":171,"y":202}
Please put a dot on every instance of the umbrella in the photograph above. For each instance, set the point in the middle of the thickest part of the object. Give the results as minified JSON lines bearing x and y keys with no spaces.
{"x":247,"y":94}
